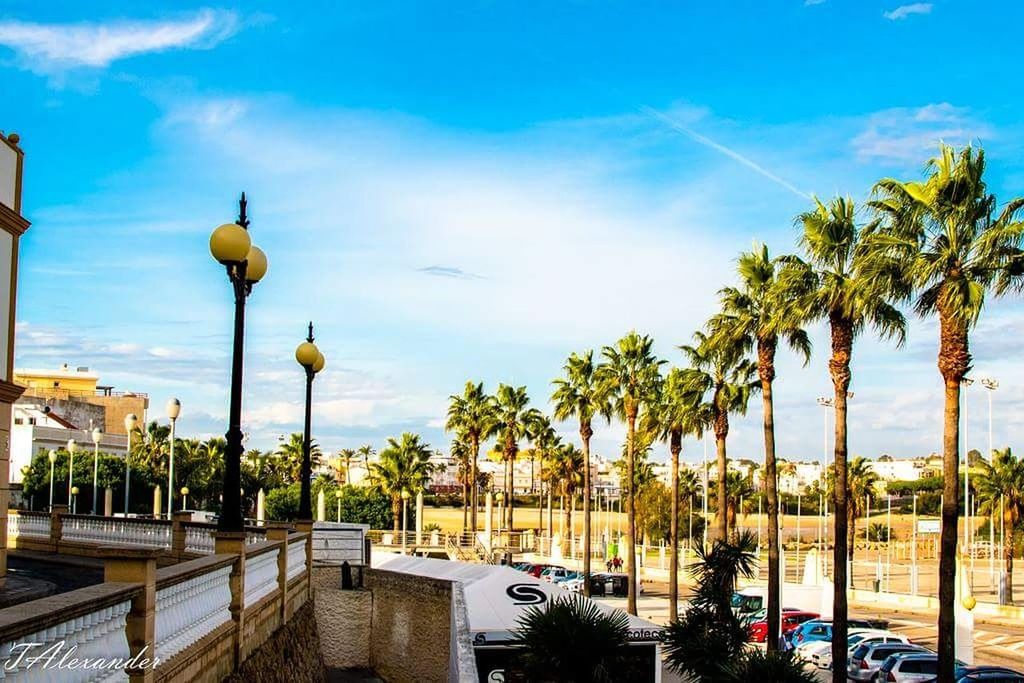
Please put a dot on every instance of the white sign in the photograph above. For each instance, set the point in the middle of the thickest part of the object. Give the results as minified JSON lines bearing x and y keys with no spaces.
{"x":929,"y":526}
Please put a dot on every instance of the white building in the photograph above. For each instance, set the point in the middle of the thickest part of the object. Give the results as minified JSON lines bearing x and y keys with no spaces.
{"x":37,"y":429}
{"x":903,"y":469}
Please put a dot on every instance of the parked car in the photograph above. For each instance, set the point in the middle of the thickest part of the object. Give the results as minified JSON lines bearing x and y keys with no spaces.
{"x":913,"y":667}
{"x":867,"y":658}
{"x":574,"y":584}
{"x":984,"y":674}
{"x":762,"y":614}
{"x":521,"y":566}
{"x":569,"y":576}
{"x":823,"y":657}
{"x":552,"y":573}
{"x":758,"y":631}
{"x":821,"y":629}
{"x":616,"y":585}
{"x":537,"y":569}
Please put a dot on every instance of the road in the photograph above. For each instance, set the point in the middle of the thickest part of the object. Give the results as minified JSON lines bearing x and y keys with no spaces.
{"x":996,"y":641}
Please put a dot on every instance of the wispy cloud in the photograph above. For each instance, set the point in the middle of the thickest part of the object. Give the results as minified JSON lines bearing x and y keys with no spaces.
{"x":718,"y":147}
{"x":907,"y":134}
{"x":448,"y":271}
{"x":53,"y":48}
{"x":904,"y":11}
{"x":809,"y":3}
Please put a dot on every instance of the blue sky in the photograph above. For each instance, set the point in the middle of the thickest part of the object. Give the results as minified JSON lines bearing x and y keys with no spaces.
{"x":475,"y":190}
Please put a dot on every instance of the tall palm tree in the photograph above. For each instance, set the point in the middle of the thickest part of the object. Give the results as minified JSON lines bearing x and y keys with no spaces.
{"x":737,"y":488}
{"x":675,"y":414}
{"x":763,"y":310}
{"x":404,"y":465}
{"x":724,"y":377}
{"x":630,"y":375}
{"x":345,"y":455}
{"x":860,"y":483}
{"x":1001,"y":488}
{"x":580,"y":395}
{"x":565,"y":474}
{"x":952,"y":246}
{"x":366,"y":452}
{"x":473,"y":417}
{"x":850,"y":299}
{"x":544,"y":439}
{"x":461,"y":453}
{"x":514,"y":422}
{"x":290,"y":453}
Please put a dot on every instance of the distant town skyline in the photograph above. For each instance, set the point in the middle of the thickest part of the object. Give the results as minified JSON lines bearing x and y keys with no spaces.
{"x":448,"y":200}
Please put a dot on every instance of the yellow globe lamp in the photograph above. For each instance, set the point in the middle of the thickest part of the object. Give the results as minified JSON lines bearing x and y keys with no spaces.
{"x":230,"y":243}
{"x":969,"y":602}
{"x":307,"y":354}
{"x":319,"y":364}
{"x":256,"y":266}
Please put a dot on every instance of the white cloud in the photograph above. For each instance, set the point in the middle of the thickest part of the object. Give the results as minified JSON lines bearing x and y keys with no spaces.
{"x":52,"y":48}
{"x":911,"y":134}
{"x":809,"y":3}
{"x":904,"y":11}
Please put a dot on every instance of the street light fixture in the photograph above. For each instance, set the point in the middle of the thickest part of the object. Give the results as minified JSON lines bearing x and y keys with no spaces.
{"x":53,"y":461}
{"x":131,"y":421}
{"x":312,"y":361}
{"x":72,"y":447}
{"x":173,"y":411}
{"x":74,"y":500}
{"x":96,"y":436}
{"x":184,"y":498}
{"x":246,"y":265}
{"x":405,"y":518}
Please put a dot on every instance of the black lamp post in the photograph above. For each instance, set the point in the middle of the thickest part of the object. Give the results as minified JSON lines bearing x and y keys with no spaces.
{"x":312,"y":361}
{"x":246,"y":264}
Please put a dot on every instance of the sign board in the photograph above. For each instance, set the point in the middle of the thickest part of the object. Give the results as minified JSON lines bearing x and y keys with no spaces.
{"x":929,"y":526}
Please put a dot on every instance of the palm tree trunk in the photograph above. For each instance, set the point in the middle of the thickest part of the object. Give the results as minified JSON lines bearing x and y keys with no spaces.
{"x":839,"y":368}
{"x":631,"y":516}
{"x":465,"y":506}
{"x":585,"y":434}
{"x":675,"y":447}
{"x":954,"y":361}
{"x":396,"y":512}
{"x":766,"y":370}
{"x":472,"y":483}
{"x":721,"y":432}
{"x":1008,"y":552}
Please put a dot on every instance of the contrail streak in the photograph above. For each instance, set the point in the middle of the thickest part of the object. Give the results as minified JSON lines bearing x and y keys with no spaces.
{"x":735,"y":156}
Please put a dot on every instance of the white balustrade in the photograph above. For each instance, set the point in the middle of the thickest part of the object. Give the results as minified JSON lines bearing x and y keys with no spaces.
{"x":199,"y":539}
{"x":187,"y":611}
{"x":106,"y":530}
{"x":96,"y":635}
{"x":260,"y":576}
{"x":37,"y":526}
{"x":296,"y":558}
{"x":255,"y":536}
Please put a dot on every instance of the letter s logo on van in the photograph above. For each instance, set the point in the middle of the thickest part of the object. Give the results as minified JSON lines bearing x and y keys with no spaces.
{"x":525,"y":594}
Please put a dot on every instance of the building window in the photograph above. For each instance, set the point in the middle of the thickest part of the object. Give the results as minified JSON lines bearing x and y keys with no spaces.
{"x":19,"y":421}
{"x":31,"y":420}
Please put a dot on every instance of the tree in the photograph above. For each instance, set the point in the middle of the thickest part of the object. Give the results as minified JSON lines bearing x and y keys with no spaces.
{"x":290,"y":454}
{"x":708,"y":636}
{"x":946,"y":243}
{"x":765,"y":308}
{"x":724,"y":378}
{"x":580,"y":395}
{"x":861,"y":480}
{"x":565,"y":475}
{"x":345,"y":456}
{"x":404,"y":465}
{"x":737,"y":487}
{"x":674,"y":414}
{"x":571,"y":639}
{"x":850,"y":299}
{"x":366,"y":452}
{"x":473,"y":417}
{"x":1001,"y":488}
{"x":461,"y":453}
{"x":514,"y":422}
{"x":630,"y":377}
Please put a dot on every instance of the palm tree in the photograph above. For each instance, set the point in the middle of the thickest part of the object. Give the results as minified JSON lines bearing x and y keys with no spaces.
{"x":860,"y":480}
{"x":579,"y":395}
{"x":345,"y":455}
{"x":764,"y":309}
{"x":737,"y":487}
{"x":689,"y":487}
{"x":672,"y":416}
{"x":851,"y":300}
{"x":630,"y":376}
{"x":290,"y":453}
{"x":948,"y":245}
{"x":514,"y":423}
{"x":565,"y":475}
{"x":723,"y":375}
{"x":1001,"y":486}
{"x":544,"y":439}
{"x":473,"y":417}
{"x":571,"y":639}
{"x":404,"y":465}
{"x":366,"y":452}
{"x":461,"y":453}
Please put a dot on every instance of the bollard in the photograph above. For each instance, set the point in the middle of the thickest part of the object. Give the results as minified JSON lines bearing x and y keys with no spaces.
{"x":346,"y":576}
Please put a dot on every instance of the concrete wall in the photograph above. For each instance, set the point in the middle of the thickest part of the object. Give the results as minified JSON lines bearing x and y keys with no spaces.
{"x":343,"y":619}
{"x":291,"y":654}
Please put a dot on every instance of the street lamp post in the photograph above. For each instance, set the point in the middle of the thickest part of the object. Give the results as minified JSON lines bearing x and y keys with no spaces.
{"x":825,"y":403}
{"x":74,"y":500}
{"x":312,"y":361}
{"x":246,"y":265}
{"x":991,"y":384}
{"x":72,"y":447}
{"x":184,"y":498}
{"x":96,"y":436}
{"x":968,"y":532}
{"x":53,"y":461}
{"x":173,"y":411}
{"x":130,"y":422}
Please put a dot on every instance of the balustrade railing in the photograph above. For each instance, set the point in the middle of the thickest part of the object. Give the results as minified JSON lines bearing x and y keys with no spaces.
{"x":188,"y":609}
{"x":199,"y":538}
{"x":296,"y":556}
{"x":261,"y":574}
{"x":24,"y":523}
{"x":149,"y":533}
